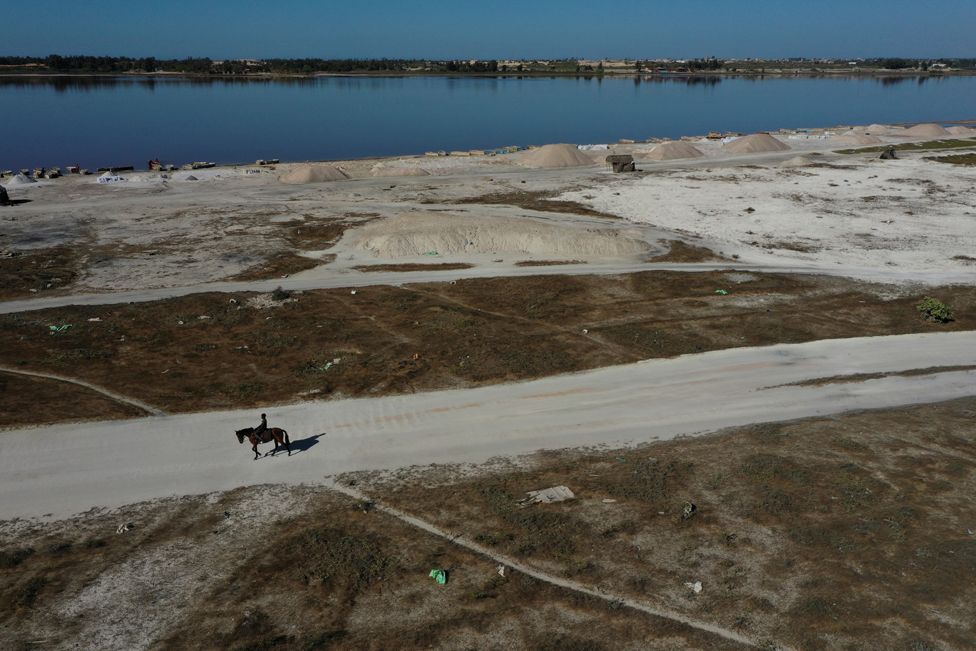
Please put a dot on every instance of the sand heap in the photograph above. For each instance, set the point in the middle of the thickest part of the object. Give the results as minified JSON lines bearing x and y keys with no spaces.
{"x":671,"y":150}
{"x":856,"y":139}
{"x":302,"y":174}
{"x":428,"y":235}
{"x":961,"y":131}
{"x":757,"y":143}
{"x":385,"y":169}
{"x":927,"y":131}
{"x":555,"y":156}
{"x":797,"y":161}
{"x":19,"y":179}
{"x":874,"y":129}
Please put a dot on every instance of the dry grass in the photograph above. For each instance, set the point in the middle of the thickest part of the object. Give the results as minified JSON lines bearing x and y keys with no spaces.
{"x":43,"y":271}
{"x":20,"y":395}
{"x":438,"y":335}
{"x":414,"y":266}
{"x":540,"y":201}
{"x":546,"y":263}
{"x":679,"y":251}
{"x":968,"y":160}
{"x":329,"y":576}
{"x":862,"y":377}
{"x":821,"y":534}
{"x":280,"y":265}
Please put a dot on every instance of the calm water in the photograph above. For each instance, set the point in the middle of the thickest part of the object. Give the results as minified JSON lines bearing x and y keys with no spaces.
{"x":98,"y":122}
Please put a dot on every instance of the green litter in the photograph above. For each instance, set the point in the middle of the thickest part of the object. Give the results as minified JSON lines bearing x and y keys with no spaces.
{"x":59,"y":328}
{"x":722,"y":292}
{"x":440,"y":576}
{"x":432,"y":253}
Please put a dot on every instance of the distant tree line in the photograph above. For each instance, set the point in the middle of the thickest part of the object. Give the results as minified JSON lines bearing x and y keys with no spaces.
{"x":234,"y":67}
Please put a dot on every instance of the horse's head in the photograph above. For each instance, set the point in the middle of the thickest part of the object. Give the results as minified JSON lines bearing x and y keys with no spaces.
{"x":240,"y":435}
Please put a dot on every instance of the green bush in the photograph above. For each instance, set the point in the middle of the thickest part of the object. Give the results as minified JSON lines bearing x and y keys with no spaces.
{"x":935,"y":310}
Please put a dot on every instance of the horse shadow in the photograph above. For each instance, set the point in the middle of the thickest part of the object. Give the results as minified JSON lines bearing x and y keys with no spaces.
{"x":16,"y":202}
{"x":303,"y":445}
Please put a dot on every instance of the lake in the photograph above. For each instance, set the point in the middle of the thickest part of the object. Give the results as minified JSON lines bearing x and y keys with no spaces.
{"x":95,"y":121}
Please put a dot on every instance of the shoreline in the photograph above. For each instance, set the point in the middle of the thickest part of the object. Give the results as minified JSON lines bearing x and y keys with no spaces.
{"x":715,"y":74}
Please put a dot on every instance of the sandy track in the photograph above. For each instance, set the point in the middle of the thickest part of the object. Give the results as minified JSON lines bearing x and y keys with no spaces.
{"x":319,"y":279}
{"x":66,"y":469}
{"x":117,"y":397}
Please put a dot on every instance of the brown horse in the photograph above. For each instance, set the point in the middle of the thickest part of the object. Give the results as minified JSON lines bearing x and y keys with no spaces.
{"x":276,"y":434}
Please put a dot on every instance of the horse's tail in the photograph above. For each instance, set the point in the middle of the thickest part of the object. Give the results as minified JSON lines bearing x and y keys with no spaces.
{"x":287,"y":440}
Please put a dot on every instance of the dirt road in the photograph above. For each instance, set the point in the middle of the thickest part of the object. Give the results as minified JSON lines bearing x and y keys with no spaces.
{"x":324,"y":278}
{"x":66,"y":469}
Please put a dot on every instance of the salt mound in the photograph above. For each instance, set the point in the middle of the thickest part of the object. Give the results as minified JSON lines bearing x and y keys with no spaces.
{"x":302,"y":174}
{"x":381,"y":169}
{"x":555,"y":156}
{"x":20,"y":179}
{"x":672,"y":150}
{"x":797,"y":161}
{"x":757,"y":143}
{"x":856,"y":139}
{"x":416,"y":234}
{"x":961,"y":131}
{"x":877,"y":129}
{"x":927,"y":131}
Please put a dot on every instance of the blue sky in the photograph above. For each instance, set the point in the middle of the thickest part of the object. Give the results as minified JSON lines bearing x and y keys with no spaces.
{"x":492,"y":28}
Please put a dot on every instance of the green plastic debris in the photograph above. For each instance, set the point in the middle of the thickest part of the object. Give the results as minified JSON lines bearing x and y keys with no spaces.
{"x":59,"y":328}
{"x":432,"y":253}
{"x":722,"y":292}
{"x":440,"y":576}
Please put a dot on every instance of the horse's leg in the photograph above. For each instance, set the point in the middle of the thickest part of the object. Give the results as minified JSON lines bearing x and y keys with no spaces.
{"x":255,"y":448}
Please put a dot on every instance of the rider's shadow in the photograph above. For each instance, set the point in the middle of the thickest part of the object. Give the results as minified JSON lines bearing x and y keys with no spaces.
{"x":302,"y":445}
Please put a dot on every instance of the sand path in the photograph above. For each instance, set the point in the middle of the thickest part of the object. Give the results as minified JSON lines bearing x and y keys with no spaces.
{"x":65,"y":469}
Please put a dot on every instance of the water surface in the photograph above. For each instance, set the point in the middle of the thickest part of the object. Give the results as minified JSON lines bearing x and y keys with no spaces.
{"x":126,"y":121}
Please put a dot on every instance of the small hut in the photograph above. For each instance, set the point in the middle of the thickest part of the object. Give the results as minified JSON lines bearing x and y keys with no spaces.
{"x":621,"y":163}
{"x":4,"y":199}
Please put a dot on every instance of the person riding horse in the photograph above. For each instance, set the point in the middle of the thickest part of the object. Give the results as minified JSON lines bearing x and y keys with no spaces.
{"x":264,"y":434}
{"x":260,"y":429}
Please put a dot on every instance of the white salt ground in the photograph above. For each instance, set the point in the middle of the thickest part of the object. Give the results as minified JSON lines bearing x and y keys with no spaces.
{"x":908,"y":213}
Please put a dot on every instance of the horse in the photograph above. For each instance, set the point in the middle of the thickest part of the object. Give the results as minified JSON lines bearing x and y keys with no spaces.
{"x":278,"y":435}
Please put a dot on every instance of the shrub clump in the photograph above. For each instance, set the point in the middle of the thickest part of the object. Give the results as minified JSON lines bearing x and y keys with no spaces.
{"x":935,"y":310}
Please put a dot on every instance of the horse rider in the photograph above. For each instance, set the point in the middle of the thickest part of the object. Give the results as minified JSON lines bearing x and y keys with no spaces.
{"x":260,"y":429}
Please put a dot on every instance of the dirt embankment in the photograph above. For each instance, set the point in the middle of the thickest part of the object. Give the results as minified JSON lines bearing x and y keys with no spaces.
{"x":218,"y":351}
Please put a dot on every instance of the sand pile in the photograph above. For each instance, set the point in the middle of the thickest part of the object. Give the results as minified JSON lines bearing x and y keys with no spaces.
{"x":876,"y":129}
{"x":417,"y":234}
{"x":961,"y":131}
{"x":757,"y":143}
{"x":555,"y":156}
{"x":302,"y":174}
{"x":797,"y":161}
{"x":856,"y":139}
{"x":19,"y":179}
{"x":927,"y":131}
{"x":672,"y":150}
{"x":383,"y":169}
